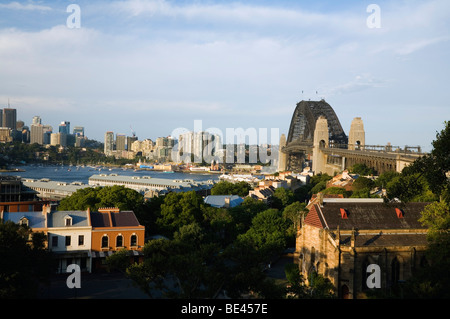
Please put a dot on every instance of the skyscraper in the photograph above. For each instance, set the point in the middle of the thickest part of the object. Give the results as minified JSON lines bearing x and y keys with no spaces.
{"x":121,"y":141}
{"x":36,"y":120}
{"x":130,"y":140}
{"x":78,"y":131}
{"x":37,"y":134}
{"x":109,"y":143}
{"x":64,"y":127}
{"x":9,"y":118}
{"x":198,"y":146}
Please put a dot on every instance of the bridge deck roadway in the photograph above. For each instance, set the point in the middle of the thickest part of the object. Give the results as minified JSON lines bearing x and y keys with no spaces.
{"x":365,"y":153}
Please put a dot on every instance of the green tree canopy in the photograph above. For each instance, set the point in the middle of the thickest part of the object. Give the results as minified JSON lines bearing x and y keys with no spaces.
{"x":185,"y":267}
{"x":97,"y":197}
{"x":433,"y":280}
{"x":410,"y":188}
{"x":23,"y":266}
{"x":227,"y":188}
{"x":180,"y":209}
{"x":268,"y":233}
{"x":282,"y":197}
{"x":434,"y":166}
{"x":362,"y":169}
{"x":336,"y":191}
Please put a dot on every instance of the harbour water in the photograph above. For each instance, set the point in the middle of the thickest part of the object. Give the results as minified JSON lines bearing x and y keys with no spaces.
{"x":70,"y":174}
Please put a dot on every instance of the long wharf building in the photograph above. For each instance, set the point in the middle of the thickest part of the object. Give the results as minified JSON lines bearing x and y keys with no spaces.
{"x":144,"y":184}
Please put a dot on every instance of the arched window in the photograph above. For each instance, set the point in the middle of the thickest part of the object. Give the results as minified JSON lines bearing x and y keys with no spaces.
{"x":133,"y":240}
{"x":345,"y":292}
{"x":119,"y":241}
{"x":364,"y":274}
{"x":423,"y":262}
{"x":105,"y":241}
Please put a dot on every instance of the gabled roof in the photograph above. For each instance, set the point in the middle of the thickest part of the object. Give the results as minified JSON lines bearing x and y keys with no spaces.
{"x":365,"y":215}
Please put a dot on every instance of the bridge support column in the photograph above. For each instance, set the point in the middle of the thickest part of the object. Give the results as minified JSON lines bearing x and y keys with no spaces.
{"x":282,"y":158}
{"x":321,"y":140}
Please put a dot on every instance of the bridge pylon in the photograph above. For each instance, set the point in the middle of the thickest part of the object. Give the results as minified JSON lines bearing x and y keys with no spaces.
{"x":357,"y":135}
{"x":321,"y":140}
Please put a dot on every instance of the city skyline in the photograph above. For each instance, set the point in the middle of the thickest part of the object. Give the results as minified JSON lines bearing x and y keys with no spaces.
{"x":157,"y":66}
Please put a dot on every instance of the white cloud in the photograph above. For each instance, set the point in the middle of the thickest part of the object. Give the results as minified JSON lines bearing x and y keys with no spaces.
{"x":234,"y":14}
{"x":28,"y":7}
{"x":231,"y":61}
{"x":411,"y":47}
{"x":359,"y":83}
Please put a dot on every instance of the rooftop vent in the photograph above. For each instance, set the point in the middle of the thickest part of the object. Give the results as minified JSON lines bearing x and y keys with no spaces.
{"x":399,"y":212}
{"x":344,"y":214}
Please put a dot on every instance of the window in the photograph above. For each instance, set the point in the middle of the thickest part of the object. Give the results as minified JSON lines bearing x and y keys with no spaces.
{"x":133,"y":240}
{"x":395,"y":271}
{"x":80,"y":240}
{"x":119,"y":241}
{"x":68,"y":238}
{"x":105,"y":241}
{"x":68,"y":221}
{"x":54,"y":241}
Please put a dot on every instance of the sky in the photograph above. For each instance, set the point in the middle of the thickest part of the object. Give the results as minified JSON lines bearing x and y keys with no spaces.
{"x":155,"y":66}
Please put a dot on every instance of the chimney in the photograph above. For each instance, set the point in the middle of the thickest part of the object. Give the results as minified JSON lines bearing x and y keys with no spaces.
{"x":88,"y":216}
{"x":46,"y":209}
{"x":227,"y":202}
{"x":320,"y":199}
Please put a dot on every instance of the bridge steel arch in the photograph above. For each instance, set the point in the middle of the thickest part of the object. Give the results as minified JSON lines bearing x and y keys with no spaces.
{"x":299,"y":143}
{"x":303,"y":123}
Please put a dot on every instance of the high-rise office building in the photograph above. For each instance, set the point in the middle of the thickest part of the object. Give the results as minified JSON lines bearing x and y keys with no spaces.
{"x":37,"y":134}
{"x":198,"y":146}
{"x":109,"y":143}
{"x":121,"y":142}
{"x":78,"y":131}
{"x":64,"y":127}
{"x":20,"y":125}
{"x":36,"y":120}
{"x":130,"y":141}
{"x":58,"y":139}
{"x":9,"y":118}
{"x":48,"y":130}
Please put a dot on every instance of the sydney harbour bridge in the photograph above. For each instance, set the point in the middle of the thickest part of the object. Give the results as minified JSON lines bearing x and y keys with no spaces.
{"x":316,"y":135}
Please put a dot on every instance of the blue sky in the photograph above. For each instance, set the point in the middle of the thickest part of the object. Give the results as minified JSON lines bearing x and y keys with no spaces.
{"x":159,"y":65}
